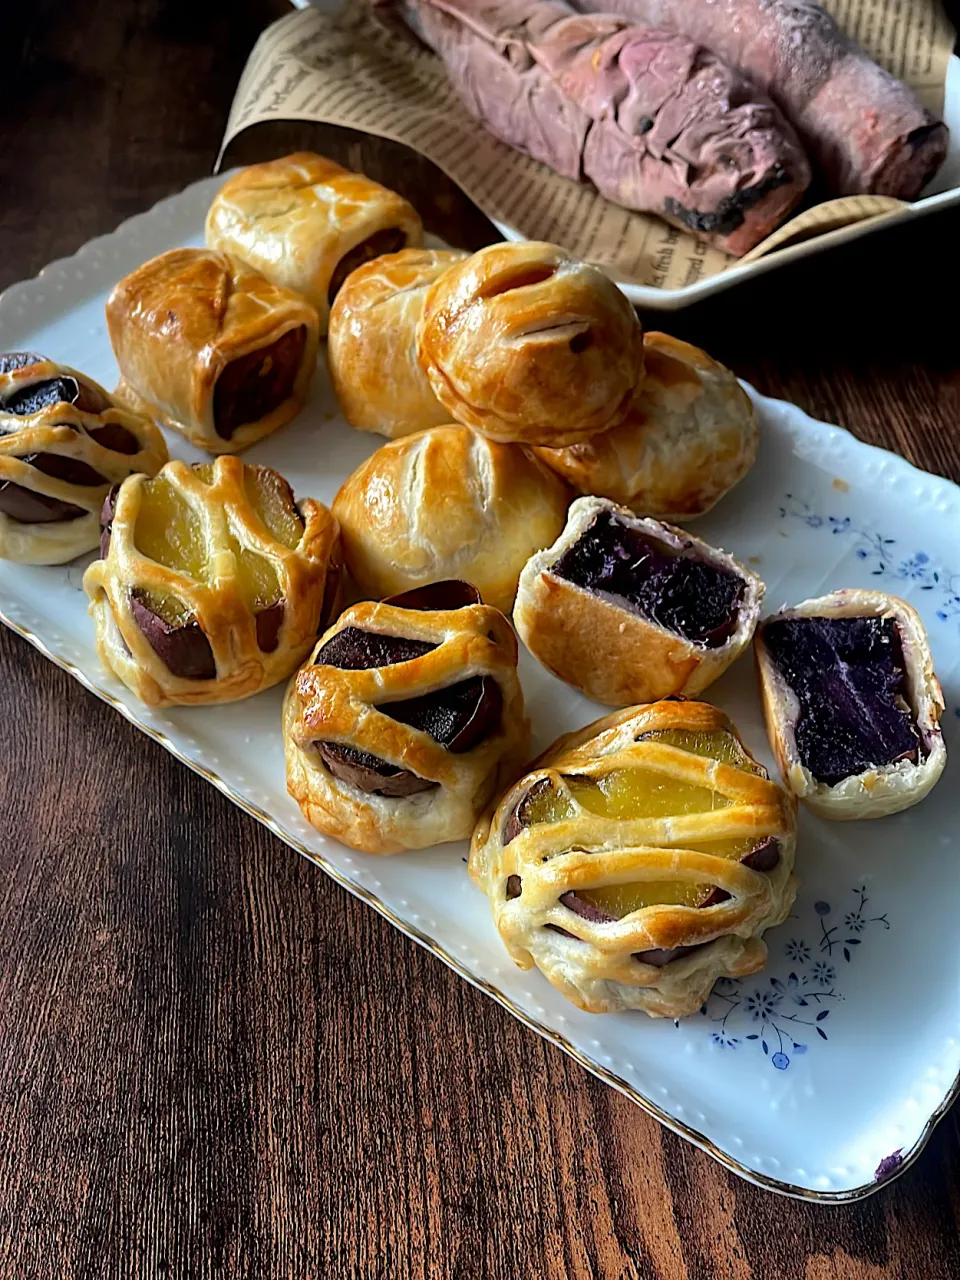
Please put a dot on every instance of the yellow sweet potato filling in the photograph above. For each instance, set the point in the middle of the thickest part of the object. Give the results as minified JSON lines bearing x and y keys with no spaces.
{"x":169,"y":531}
{"x":636,"y":792}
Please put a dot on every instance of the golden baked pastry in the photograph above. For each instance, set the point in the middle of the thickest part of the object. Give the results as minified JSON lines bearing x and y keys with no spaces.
{"x":406,"y":720}
{"x":213,"y":582}
{"x":211,"y":348}
{"x":306,"y":223}
{"x":689,"y":437}
{"x":372,"y":352}
{"x":640,"y":860}
{"x":63,"y":442}
{"x":526,"y":344}
{"x":852,"y":703}
{"x":447,"y":503}
{"x":627,"y":609}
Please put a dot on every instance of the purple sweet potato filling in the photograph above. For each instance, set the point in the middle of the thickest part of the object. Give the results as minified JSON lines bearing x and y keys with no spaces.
{"x":848,"y":677}
{"x":673,"y":588}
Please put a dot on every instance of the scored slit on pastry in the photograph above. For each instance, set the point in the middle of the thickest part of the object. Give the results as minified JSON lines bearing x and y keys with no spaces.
{"x":407,"y":715}
{"x":447,"y":503}
{"x":631,"y":610}
{"x":372,"y":351}
{"x":640,"y":859}
{"x":852,"y":703}
{"x":524,"y":343}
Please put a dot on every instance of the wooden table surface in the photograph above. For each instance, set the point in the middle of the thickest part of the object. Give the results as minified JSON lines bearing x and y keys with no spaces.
{"x":213,"y":1061}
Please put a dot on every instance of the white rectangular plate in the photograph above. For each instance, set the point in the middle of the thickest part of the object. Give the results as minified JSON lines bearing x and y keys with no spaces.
{"x":846,"y":1049}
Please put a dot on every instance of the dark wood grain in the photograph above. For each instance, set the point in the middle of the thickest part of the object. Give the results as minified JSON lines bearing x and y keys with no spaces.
{"x":213,"y":1061}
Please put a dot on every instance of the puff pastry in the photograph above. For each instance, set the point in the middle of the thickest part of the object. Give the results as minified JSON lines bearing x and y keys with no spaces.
{"x":526,"y":344}
{"x":640,"y":859}
{"x":407,"y":719}
{"x":627,"y":609}
{"x":852,"y":703}
{"x":447,"y":503}
{"x":690,"y":436}
{"x":306,"y":223}
{"x":63,"y":443}
{"x":372,"y":352}
{"x":212,"y":582}
{"x":211,"y":348}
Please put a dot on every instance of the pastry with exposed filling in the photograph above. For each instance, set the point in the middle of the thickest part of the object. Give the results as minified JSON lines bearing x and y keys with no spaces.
{"x":306,"y":223}
{"x":640,"y":859}
{"x":627,"y":609}
{"x":852,"y":703}
{"x":211,"y":348}
{"x":407,"y":719}
{"x":213,"y":583}
{"x":64,"y":442}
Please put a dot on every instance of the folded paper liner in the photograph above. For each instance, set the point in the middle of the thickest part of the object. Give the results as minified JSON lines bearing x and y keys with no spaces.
{"x":360,"y":70}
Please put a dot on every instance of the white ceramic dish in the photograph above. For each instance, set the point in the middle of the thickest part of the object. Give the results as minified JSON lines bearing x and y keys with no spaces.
{"x":804,"y":1078}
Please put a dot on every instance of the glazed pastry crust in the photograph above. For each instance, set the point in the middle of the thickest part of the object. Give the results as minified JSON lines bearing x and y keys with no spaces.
{"x":218,"y":605}
{"x":690,"y":436}
{"x":63,"y":429}
{"x":608,"y":651}
{"x":447,"y":503}
{"x":372,"y":352}
{"x":329,"y":704}
{"x":222,"y":310}
{"x":597,"y":968}
{"x":526,"y":344}
{"x":877,"y":791}
{"x":293,"y":219}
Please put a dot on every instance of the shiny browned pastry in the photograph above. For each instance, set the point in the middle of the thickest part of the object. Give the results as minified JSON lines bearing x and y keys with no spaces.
{"x":852,"y":703}
{"x":63,"y":442}
{"x":306,"y":223}
{"x":211,"y":348}
{"x":447,"y":503}
{"x":627,"y":609}
{"x":640,"y":860}
{"x":213,"y":582}
{"x":372,"y":350}
{"x":690,"y":436}
{"x":406,"y":721}
{"x":526,"y":344}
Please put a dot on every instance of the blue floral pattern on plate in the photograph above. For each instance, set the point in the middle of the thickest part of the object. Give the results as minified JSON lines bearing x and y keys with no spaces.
{"x":747,"y":1012}
{"x":885,"y":559}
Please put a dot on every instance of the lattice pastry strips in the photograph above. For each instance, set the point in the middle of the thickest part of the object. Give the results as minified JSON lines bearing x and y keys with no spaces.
{"x":640,"y":860}
{"x":63,"y":443}
{"x":371,"y":723}
{"x":249,"y":581}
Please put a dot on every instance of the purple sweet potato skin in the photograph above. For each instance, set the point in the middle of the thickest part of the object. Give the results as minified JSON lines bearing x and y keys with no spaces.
{"x":458,"y":716}
{"x":25,"y":506}
{"x":866,"y":130}
{"x":657,"y":122}
{"x":185,"y":650}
